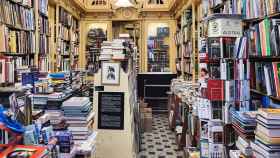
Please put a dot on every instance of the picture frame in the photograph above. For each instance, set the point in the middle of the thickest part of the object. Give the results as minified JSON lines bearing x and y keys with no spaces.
{"x":110,"y":73}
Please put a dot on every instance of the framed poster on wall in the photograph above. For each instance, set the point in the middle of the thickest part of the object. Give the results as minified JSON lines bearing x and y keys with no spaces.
{"x":111,"y":110}
{"x":110,"y":73}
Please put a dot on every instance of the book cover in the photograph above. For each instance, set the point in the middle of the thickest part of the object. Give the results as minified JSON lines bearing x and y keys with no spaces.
{"x":269,"y":132}
{"x":215,"y":90}
{"x":269,"y":113}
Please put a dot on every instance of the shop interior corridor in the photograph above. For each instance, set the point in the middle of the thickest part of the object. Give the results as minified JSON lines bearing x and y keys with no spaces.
{"x":161,"y":142}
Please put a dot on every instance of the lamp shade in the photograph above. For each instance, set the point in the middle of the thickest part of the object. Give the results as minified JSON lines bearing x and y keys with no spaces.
{"x":123,"y":3}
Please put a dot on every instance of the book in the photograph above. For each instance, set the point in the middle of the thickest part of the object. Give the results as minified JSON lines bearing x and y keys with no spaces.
{"x":269,"y":113}
{"x":268,"y":132}
{"x":262,"y":152}
{"x":266,"y":139}
{"x":273,"y":122}
{"x":215,"y":90}
{"x":229,"y":91}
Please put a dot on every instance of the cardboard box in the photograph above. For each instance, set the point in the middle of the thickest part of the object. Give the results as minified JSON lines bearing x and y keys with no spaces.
{"x":148,"y":122}
{"x":142,"y":123}
{"x":143,"y":105}
{"x":146,"y":110}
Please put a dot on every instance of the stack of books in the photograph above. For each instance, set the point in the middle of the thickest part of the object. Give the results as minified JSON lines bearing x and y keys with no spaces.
{"x":77,"y":112}
{"x":65,"y":141}
{"x":267,"y":140}
{"x":56,"y":119}
{"x":244,"y":146}
{"x":113,"y":50}
{"x":244,"y":123}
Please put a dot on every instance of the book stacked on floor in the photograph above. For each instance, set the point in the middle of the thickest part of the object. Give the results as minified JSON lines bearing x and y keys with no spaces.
{"x":244,"y":123}
{"x":244,"y":147}
{"x":56,"y":119}
{"x":267,"y":140}
{"x":77,"y":112}
{"x":65,"y":141}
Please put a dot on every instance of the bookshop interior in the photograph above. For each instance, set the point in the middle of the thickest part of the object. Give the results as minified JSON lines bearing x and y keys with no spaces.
{"x":139,"y":78}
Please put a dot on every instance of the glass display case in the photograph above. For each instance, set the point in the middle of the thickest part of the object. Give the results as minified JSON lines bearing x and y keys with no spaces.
{"x":95,"y":37}
{"x":158,"y":48}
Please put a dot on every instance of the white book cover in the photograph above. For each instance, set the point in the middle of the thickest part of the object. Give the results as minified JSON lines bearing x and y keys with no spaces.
{"x":2,"y":71}
{"x":268,"y":132}
{"x":223,"y":71}
{"x":268,"y":121}
{"x":229,"y":106}
{"x":267,"y":81}
{"x":230,"y":90}
{"x":241,"y":70}
{"x":264,"y":153}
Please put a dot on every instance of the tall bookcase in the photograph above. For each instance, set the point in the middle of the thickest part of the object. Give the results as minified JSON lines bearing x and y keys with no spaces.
{"x":43,"y":36}
{"x":187,"y":61}
{"x":67,"y":39}
{"x":17,"y":36}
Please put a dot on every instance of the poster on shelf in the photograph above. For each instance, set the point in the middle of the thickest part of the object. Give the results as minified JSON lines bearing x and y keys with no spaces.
{"x":110,"y":73}
{"x":225,"y":27}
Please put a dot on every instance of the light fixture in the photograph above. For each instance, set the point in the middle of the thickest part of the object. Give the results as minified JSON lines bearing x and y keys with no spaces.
{"x":123,"y":3}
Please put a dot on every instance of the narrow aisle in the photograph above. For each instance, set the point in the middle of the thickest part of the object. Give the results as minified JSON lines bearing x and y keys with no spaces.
{"x":160,"y":143}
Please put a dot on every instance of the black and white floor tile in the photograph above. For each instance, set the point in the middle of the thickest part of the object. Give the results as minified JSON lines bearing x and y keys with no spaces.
{"x":160,"y":143}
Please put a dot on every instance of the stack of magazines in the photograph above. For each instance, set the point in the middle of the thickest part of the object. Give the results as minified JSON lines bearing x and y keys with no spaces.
{"x":77,"y":112}
{"x":267,"y":140}
{"x":244,"y":123}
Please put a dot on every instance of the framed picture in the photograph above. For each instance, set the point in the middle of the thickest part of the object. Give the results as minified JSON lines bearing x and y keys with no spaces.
{"x":110,"y":73}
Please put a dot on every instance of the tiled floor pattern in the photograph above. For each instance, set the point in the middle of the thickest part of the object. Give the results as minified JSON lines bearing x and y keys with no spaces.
{"x":160,"y":143}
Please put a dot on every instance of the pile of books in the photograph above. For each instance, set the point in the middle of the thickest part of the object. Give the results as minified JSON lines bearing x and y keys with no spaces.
{"x":113,"y":50}
{"x":65,"y":141}
{"x":267,"y":140}
{"x":244,"y":123}
{"x":244,"y":147}
{"x":77,"y":112}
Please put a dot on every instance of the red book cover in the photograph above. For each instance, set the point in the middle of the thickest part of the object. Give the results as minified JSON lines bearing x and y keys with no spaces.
{"x":216,"y":90}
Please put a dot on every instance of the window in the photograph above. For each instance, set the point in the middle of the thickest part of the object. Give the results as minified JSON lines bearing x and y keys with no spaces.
{"x":156,"y":2}
{"x":99,"y":2}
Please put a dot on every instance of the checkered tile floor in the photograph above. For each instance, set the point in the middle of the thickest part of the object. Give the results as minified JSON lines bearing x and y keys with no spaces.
{"x":161,"y":142}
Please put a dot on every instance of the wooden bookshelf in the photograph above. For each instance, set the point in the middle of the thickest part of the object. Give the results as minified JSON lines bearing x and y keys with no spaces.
{"x":17,"y":39}
{"x":254,"y":91}
{"x":67,"y":39}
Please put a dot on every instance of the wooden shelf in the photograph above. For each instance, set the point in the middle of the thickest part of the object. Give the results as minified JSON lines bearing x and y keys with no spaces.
{"x":17,"y":54}
{"x":255,"y":20}
{"x":263,"y":94}
{"x":10,"y":26}
{"x":264,"y":58}
{"x":219,"y":15}
{"x":19,"y":3}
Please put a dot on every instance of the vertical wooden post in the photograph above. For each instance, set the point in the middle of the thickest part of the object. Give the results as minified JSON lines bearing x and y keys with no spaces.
{"x":37,"y":35}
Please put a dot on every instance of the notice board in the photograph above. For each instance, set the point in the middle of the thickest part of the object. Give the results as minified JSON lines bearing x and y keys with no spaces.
{"x":111,"y":110}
